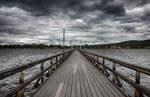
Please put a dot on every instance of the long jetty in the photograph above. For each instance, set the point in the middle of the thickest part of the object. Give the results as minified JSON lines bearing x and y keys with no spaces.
{"x":77,"y":73}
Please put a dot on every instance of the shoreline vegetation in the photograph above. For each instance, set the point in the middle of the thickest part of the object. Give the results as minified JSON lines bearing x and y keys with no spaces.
{"x":133,"y":44}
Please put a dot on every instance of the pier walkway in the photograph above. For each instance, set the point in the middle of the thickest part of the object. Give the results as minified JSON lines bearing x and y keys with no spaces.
{"x":77,"y":78}
{"x":77,"y":73}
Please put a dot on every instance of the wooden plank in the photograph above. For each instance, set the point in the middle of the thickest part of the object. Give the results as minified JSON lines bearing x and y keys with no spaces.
{"x":59,"y":90}
{"x":63,"y":93}
{"x":78,"y":84}
{"x":69,"y":89}
{"x":59,"y":82}
{"x":85,"y":82}
{"x":101,"y":84}
{"x":88,"y":76}
{"x":73,"y":93}
{"x":83,"y":91}
{"x":66,"y":82}
{"x":94,"y":83}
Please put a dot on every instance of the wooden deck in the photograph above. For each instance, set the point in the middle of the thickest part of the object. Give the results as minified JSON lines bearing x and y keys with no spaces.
{"x":77,"y":78}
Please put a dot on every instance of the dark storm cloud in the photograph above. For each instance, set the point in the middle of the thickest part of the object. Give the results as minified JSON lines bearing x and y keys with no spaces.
{"x":137,"y":2}
{"x":85,"y":20}
{"x":39,"y":7}
{"x":111,"y":7}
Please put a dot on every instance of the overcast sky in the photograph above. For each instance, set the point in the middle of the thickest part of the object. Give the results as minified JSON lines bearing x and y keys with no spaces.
{"x":85,"y":21}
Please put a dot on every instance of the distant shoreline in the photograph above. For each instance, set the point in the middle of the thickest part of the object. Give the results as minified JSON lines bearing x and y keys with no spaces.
{"x":132,"y":44}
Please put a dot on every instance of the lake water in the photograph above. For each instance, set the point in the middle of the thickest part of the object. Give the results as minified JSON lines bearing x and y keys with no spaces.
{"x":13,"y":57}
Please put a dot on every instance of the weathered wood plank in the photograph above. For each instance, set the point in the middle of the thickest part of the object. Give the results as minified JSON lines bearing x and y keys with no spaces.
{"x":78,"y":84}
{"x":88,"y":77}
{"x":94,"y":83}
{"x":63,"y":93}
{"x":83,"y":91}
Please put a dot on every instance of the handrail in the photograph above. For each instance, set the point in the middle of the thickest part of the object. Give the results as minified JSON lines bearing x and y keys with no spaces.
{"x":21,"y":86}
{"x":55,"y":61}
{"x":19,"y":68}
{"x":139,"y":89}
{"x":142,"y":69}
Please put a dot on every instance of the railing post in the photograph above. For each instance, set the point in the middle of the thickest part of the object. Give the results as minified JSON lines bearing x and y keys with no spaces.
{"x":50,"y":69}
{"x":60,"y":57}
{"x":103,"y":63}
{"x":114,"y":69}
{"x":41,"y":76}
{"x":56,"y":63}
{"x":57,"y":60}
{"x":97,"y":61}
{"x":21,"y":80}
{"x":103,"y":68}
{"x":92,"y":58}
{"x":115,"y":77}
{"x":52,"y":65}
{"x":138,"y":93}
{"x":88,"y":56}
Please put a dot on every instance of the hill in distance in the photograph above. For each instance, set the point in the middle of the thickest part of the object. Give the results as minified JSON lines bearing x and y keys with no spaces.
{"x":124,"y":44}
{"x":120,"y":45}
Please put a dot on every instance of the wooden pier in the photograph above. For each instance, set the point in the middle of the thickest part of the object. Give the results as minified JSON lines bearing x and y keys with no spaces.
{"x":78,"y":78}
{"x":78,"y":74}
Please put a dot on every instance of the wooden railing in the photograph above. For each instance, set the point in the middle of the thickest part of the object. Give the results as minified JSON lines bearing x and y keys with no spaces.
{"x":100,"y":63}
{"x":54,"y":62}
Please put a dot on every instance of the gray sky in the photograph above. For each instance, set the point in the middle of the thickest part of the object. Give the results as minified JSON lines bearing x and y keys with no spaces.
{"x":85,"y":21}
